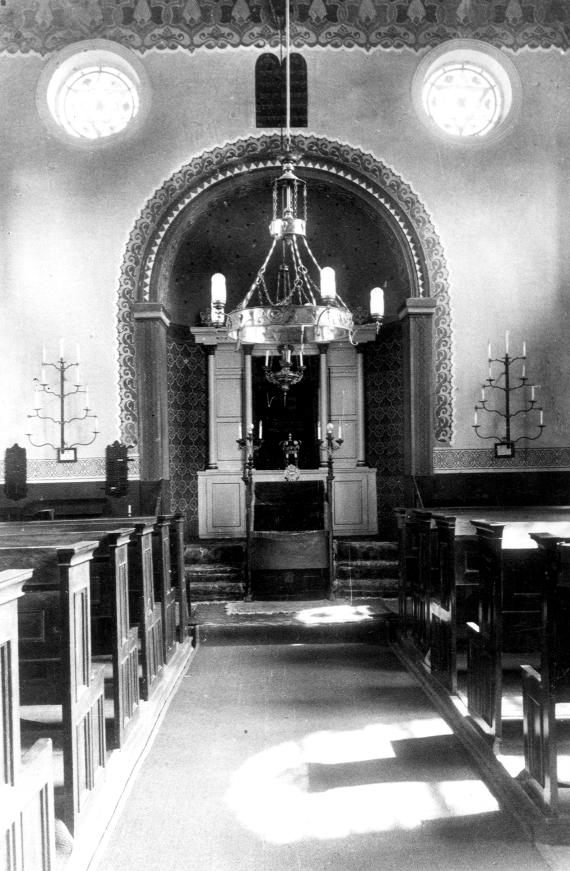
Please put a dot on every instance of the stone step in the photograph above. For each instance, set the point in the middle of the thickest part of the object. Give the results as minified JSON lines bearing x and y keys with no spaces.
{"x":351,"y":549}
{"x":204,"y":552}
{"x":367,"y":569}
{"x":366,"y":587}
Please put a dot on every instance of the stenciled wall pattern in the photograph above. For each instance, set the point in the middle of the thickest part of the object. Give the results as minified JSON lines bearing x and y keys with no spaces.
{"x":187,"y":420}
{"x":44,"y":26}
{"x":385,"y":422}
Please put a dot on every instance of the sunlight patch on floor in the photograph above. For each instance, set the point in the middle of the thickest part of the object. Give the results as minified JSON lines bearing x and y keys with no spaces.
{"x":334,"y":614}
{"x":271,"y":793}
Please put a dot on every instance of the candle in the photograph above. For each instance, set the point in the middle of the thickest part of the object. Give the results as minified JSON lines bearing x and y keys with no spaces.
{"x":507,"y":342}
{"x":266,"y":359}
{"x":43,"y":354}
{"x":483,"y":393}
{"x":490,"y":373}
{"x":541,"y":417}
{"x":339,"y":429}
{"x":524,"y":370}
{"x":532,"y":393}
{"x":239,"y":430}
{"x":319,"y":430}
{"x":475,"y":417}
{"x":78,"y":353}
{"x":301,"y":358}
{"x":524,"y":349}
{"x":489,"y":352}
{"x":260,"y":428}
{"x":96,"y":422}
{"x":61,"y":349}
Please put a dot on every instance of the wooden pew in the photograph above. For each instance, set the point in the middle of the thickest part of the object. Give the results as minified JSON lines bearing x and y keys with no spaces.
{"x":454,"y":596}
{"x":111,"y":630}
{"x":143,"y":609}
{"x":409,"y":567}
{"x":167,"y":534}
{"x":546,"y":687}
{"x":27,"y":824}
{"x":55,"y":621}
{"x":509,"y":621}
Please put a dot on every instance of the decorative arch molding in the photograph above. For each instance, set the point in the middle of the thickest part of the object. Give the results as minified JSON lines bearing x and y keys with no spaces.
{"x":154,"y":240}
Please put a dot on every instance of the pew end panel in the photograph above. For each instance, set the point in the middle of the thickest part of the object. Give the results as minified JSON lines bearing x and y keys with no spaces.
{"x":27,"y":839}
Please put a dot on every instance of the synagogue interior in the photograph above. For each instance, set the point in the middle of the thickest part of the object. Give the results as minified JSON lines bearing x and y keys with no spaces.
{"x":284,"y":460}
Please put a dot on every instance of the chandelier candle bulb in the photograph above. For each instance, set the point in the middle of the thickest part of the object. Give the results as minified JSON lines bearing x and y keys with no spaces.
{"x":260,"y":431}
{"x":524,"y":349}
{"x":239,"y":431}
{"x":328,"y":283}
{"x":532,"y":393}
{"x":266,"y":359}
{"x":523,"y":375}
{"x":475,"y":417}
{"x":489,"y":353}
{"x":219,"y":288}
{"x":339,"y":429}
{"x":483,"y":393}
{"x":319,"y":430}
{"x":507,"y":342}
{"x":377,"y":302}
{"x":330,"y":428}
{"x":541,"y":418}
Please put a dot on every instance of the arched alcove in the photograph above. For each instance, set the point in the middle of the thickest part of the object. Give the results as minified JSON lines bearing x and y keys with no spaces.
{"x":163,"y":270}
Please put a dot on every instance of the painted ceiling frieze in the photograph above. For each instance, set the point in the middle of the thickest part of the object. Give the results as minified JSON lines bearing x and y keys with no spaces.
{"x":44,"y":26}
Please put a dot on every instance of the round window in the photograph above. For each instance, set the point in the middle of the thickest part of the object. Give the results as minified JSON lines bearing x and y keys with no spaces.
{"x":466,"y":90}
{"x":93,"y":92}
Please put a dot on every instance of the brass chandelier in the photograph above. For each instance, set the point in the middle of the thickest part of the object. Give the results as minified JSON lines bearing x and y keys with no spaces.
{"x":292,"y":300}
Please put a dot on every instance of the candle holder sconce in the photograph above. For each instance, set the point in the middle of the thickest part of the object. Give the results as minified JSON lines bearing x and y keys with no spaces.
{"x":249,"y":445}
{"x":66,"y":451}
{"x":502,"y":379}
{"x":331,"y":445}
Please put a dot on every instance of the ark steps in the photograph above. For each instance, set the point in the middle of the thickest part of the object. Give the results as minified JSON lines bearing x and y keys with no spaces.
{"x":364,"y":568}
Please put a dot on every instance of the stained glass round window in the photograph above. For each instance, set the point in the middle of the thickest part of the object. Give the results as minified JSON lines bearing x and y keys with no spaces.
{"x":93,"y":92}
{"x":466,"y":90}
{"x":463,"y":100}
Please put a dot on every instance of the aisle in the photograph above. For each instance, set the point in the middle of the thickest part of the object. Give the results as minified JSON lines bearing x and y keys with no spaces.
{"x":304,"y":758}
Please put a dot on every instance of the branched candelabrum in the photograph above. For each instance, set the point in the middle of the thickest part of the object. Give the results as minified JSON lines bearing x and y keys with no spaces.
{"x":66,"y":452}
{"x":331,"y":445}
{"x":249,"y":445}
{"x":508,"y":385}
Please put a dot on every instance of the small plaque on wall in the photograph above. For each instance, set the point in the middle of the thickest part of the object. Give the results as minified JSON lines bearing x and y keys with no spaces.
{"x":504,"y":450}
{"x":67,"y":455}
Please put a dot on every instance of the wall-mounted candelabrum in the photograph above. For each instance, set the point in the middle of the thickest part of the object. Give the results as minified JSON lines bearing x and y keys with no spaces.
{"x":249,"y":445}
{"x":62,"y":390}
{"x":503,"y":387}
{"x":330,"y":443}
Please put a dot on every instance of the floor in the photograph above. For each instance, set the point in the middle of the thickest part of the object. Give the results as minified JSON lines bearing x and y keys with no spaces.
{"x":308,"y":756}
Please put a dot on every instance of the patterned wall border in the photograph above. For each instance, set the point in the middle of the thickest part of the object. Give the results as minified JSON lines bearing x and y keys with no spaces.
{"x":45,"y":26}
{"x":151,"y":248}
{"x":85,"y":469}
{"x":483,"y":459}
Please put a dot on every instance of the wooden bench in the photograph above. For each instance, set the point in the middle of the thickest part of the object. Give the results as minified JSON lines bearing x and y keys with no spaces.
{"x":143,"y":609}
{"x":27,"y":824}
{"x":111,"y":630}
{"x":167,"y":552}
{"x":55,"y":641}
{"x":549,"y":685}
